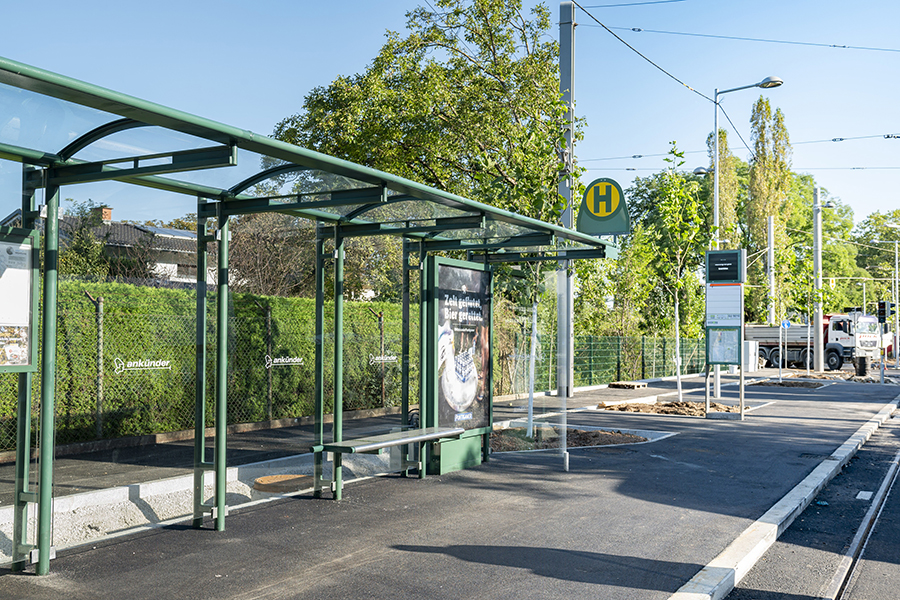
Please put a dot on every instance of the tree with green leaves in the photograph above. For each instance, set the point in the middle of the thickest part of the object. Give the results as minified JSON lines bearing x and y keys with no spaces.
{"x":81,"y":253}
{"x":770,"y":185}
{"x":680,"y":237}
{"x":875,"y":255}
{"x":467,"y":101}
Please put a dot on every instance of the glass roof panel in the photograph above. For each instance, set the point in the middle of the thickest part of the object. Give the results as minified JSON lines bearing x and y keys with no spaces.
{"x":42,"y":124}
{"x":411,"y":210}
{"x":39,"y":122}
{"x":140,"y":141}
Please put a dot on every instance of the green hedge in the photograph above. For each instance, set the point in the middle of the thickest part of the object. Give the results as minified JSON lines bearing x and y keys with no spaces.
{"x":152,"y":324}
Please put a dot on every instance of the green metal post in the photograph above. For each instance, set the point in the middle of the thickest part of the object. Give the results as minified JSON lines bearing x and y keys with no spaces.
{"x":665,"y":357}
{"x":269,"y":352}
{"x":338,"y":356}
{"x":221,"y":374}
{"x":618,"y":358}
{"x":48,"y":380}
{"x":592,"y":342}
{"x":404,"y":371}
{"x":320,"y":361}
{"x":426,"y":341}
{"x":20,"y":544}
{"x":643,"y":359}
{"x":201,"y":465}
{"x":23,"y":493}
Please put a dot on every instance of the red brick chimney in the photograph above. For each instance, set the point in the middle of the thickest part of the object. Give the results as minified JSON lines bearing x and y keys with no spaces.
{"x":104,"y":212}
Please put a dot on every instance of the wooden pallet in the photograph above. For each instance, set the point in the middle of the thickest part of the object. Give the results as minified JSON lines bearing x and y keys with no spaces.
{"x":628,"y":385}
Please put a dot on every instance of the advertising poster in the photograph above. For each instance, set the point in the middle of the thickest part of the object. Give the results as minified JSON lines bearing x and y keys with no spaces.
{"x":15,"y":303}
{"x":463,"y":353}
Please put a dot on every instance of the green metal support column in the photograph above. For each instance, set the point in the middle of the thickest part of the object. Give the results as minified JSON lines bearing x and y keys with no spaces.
{"x":320,"y":362}
{"x":221,"y":375}
{"x":201,"y":465}
{"x":404,"y":370}
{"x":426,"y":342}
{"x":20,"y":545}
{"x":338,"y":356}
{"x":48,"y":379}
{"x":23,"y":494}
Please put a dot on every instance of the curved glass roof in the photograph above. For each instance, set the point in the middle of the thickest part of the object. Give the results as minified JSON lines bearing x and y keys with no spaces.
{"x":84,"y":134}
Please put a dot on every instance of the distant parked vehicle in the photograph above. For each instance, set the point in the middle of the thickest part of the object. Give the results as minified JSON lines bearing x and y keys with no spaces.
{"x":846,"y":337}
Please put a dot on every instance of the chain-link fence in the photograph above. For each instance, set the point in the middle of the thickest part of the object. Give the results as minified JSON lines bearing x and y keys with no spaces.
{"x":124,"y":374}
{"x":598,"y":360}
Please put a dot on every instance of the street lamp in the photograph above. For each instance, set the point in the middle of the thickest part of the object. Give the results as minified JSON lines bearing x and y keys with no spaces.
{"x":768,"y":82}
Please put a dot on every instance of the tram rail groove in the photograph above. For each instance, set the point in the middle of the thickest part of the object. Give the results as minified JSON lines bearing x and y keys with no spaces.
{"x":847,"y":567}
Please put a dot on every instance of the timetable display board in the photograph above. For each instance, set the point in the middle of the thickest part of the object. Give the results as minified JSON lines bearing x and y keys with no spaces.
{"x":725,"y":275}
{"x":19,"y":259}
{"x":726,"y":266}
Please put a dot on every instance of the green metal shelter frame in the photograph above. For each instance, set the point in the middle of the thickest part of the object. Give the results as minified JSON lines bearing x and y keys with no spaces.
{"x":345,"y":199}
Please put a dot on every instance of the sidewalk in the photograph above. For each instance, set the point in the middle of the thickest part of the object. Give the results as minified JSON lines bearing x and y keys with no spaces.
{"x":636,"y":521}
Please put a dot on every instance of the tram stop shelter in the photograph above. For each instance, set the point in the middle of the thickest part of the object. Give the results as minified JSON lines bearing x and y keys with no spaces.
{"x":56,"y":127}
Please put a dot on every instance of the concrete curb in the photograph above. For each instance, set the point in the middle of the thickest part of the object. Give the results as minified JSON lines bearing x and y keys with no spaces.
{"x":719,"y":577}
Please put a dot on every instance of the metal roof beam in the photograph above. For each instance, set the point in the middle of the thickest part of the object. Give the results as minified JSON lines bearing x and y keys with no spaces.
{"x":97,"y":134}
{"x":519,"y":241}
{"x":514,"y":257}
{"x":441,"y":225}
{"x":173,"y":162}
{"x":27,"y":155}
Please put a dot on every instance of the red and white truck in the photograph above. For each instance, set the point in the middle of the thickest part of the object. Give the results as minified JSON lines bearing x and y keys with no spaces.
{"x":846,"y":337}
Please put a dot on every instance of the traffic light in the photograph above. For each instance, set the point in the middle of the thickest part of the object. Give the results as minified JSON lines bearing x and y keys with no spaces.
{"x":890,"y":308}
{"x":882,"y":311}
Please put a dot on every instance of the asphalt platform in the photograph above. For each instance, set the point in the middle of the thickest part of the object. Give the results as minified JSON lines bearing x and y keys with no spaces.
{"x":683,"y":517}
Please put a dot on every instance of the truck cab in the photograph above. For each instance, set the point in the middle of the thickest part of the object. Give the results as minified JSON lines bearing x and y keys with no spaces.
{"x":850,"y":336}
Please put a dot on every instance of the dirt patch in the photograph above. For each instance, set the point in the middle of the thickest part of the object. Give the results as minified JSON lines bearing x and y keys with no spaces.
{"x":514,"y":439}
{"x":791,"y":384}
{"x":692,"y":409}
{"x":874,"y":376}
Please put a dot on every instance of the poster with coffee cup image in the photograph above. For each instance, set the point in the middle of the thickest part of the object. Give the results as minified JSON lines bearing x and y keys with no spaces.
{"x":463,"y":346}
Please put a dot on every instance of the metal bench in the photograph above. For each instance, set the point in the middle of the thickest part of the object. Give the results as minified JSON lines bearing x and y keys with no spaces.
{"x":374,"y":444}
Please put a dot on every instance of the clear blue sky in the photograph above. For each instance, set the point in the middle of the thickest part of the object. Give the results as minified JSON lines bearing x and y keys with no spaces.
{"x":249,"y":64}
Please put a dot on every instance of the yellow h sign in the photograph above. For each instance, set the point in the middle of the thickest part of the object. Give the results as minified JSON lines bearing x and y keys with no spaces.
{"x":602,"y":199}
{"x":603,"y":210}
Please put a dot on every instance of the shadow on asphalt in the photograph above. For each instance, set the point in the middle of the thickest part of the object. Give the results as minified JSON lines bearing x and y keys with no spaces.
{"x":568,"y":565}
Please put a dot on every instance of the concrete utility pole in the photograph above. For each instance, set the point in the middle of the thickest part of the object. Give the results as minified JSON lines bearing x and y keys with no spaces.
{"x":565,"y":285}
{"x":818,"y":351}
{"x":770,"y":267}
